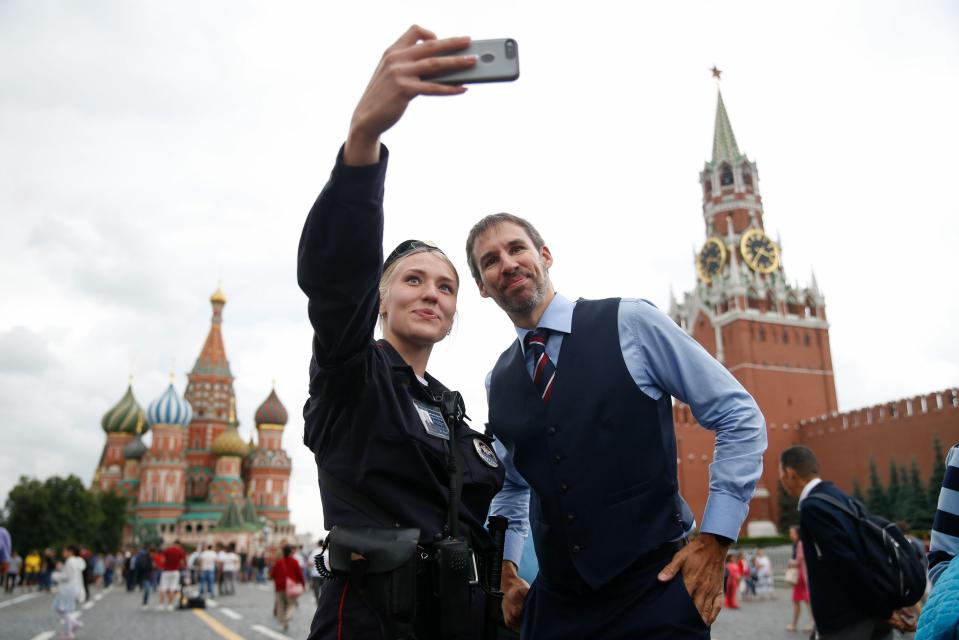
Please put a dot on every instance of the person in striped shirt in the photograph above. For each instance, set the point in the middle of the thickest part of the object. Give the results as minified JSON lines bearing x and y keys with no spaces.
{"x":944,"y":544}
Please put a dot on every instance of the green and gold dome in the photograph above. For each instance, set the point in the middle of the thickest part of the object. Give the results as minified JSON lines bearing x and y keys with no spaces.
{"x":126,"y":416}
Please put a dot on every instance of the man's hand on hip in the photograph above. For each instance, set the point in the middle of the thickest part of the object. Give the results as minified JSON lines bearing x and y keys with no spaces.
{"x":514,"y":595}
{"x":396,"y":81}
{"x":701,"y":565}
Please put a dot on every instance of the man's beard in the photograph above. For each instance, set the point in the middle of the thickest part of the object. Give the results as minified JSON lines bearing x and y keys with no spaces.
{"x":524,"y":306}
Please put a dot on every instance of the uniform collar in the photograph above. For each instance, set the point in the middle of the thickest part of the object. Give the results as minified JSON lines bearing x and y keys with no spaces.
{"x":401,"y":368}
{"x":557,"y":317}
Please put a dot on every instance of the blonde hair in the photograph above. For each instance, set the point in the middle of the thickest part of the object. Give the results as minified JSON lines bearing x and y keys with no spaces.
{"x":387,"y":278}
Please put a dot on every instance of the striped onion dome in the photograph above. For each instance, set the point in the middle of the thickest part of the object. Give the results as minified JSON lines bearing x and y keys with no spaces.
{"x":170,"y":408}
{"x":229,"y":443}
{"x":271,"y":411}
{"x":124,"y":416}
{"x":135,"y":449}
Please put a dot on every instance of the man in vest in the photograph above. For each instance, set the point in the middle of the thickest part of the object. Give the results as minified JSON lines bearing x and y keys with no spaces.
{"x":581,"y":407}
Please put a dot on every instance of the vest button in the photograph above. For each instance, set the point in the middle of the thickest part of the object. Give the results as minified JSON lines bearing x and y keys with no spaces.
{"x":563,"y":488}
{"x":570,"y":517}
{"x":576,"y":548}
{"x":551,"y":430}
{"x":557,"y":459}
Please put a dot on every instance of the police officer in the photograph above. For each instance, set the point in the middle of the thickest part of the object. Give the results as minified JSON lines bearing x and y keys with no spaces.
{"x":374,"y":418}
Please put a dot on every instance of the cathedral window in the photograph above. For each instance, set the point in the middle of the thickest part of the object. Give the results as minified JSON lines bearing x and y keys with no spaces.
{"x":747,"y":177}
{"x":725,"y":175}
{"x":762,"y":334}
{"x":785,"y":337}
{"x":707,"y":188}
{"x":805,"y":339}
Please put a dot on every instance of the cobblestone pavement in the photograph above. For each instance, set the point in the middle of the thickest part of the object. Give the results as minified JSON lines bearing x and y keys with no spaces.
{"x":115,"y":614}
{"x":761,"y":620}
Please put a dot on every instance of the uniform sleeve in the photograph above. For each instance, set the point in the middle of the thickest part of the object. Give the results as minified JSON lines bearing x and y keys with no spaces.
{"x":662,"y":358}
{"x":340,"y":260}
{"x":944,"y":541}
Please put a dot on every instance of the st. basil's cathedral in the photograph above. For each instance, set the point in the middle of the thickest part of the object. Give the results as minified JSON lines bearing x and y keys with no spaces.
{"x":198,"y":481}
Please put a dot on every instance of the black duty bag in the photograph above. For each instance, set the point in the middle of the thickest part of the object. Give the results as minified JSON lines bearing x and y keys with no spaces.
{"x":898,"y":579}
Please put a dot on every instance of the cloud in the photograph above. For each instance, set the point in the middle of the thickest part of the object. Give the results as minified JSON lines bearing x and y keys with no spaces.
{"x":23,"y":351}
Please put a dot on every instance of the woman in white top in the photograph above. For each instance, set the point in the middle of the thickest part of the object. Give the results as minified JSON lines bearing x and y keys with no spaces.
{"x":764,"y":575}
{"x":70,"y":591}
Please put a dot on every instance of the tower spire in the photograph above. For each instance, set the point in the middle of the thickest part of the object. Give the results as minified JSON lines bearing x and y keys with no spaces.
{"x":724,"y":141}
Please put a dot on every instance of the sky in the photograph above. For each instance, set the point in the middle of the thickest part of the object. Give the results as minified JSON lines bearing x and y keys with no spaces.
{"x":151,"y":151}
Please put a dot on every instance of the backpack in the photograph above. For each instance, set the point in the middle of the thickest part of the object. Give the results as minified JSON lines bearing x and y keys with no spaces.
{"x":898,"y":578}
{"x":143,"y":562}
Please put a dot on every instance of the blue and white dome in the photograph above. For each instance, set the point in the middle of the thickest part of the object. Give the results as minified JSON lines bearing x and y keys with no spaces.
{"x":170,"y":408}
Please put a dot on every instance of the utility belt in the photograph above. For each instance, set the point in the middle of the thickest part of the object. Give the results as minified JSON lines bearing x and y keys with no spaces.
{"x":416,"y":591}
{"x":419,"y":591}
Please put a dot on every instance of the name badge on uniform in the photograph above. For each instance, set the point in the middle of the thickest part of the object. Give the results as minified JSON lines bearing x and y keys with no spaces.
{"x":486,"y":453}
{"x":433,"y":420}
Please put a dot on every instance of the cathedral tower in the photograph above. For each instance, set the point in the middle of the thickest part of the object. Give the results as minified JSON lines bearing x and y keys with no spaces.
{"x":771,"y":334}
{"x":163,"y":467}
{"x":210,"y":391}
{"x":269,"y":465}
{"x":120,"y":423}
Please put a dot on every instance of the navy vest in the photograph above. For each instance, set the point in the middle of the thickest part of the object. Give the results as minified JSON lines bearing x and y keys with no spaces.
{"x":600,"y":457}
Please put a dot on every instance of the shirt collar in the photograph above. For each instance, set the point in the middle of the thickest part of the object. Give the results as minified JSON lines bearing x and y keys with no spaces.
{"x":808,"y":488}
{"x":557,"y":317}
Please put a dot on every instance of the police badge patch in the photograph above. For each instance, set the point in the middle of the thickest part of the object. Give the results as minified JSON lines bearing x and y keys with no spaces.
{"x":486,"y":453}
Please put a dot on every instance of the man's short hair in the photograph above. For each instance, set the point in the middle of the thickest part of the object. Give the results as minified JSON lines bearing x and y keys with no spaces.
{"x":493,"y":220}
{"x":802,"y":460}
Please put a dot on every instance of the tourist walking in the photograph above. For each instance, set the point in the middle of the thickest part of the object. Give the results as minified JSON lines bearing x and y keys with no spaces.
{"x":70,"y":590}
{"x":286,"y":574}
{"x":207,"y":561}
{"x":31,"y":568}
{"x":143,"y":572}
{"x":174,"y":559}
{"x":47,"y":569}
{"x":6,"y":551}
{"x":12,"y":573}
{"x":231,"y":564}
{"x":734,"y":573}
{"x":764,"y":575}
{"x":800,"y":592}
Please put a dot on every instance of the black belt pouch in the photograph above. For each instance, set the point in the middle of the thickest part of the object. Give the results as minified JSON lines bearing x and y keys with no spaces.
{"x":386,"y":574}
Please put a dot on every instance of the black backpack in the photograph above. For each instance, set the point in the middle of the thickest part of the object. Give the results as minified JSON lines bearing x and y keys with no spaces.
{"x":898,"y":578}
{"x":143,"y":562}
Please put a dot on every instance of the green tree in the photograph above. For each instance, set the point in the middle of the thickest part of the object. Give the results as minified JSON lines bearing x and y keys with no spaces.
{"x":935,"y":478}
{"x":857,"y":491}
{"x":915,"y":501}
{"x":893,"y":494}
{"x":788,"y":509}
{"x":876,"y":500}
{"x":61,"y":511}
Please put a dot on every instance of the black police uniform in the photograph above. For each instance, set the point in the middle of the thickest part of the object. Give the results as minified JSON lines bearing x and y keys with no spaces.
{"x":368,"y":417}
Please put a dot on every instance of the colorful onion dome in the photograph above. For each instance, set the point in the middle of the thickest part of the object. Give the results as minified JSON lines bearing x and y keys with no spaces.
{"x":229,"y":443}
{"x":271,"y":411}
{"x":124,"y":416}
{"x":170,"y":408}
{"x":135,"y":449}
{"x":218,"y":296}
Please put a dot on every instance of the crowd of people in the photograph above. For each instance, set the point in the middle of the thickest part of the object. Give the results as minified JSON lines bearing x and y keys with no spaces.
{"x":181,"y":577}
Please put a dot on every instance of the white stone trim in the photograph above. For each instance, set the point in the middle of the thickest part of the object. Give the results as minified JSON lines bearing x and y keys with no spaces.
{"x":771,"y":367}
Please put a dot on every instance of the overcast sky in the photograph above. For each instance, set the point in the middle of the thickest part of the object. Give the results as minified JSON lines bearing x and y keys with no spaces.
{"x":149,"y":150}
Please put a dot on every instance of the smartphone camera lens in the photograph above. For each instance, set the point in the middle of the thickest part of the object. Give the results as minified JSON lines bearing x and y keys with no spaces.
{"x":510,"y":49}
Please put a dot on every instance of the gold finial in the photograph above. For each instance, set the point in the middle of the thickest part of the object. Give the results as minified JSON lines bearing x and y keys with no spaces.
{"x":274,"y":384}
{"x":233,"y":410}
{"x":130,"y":380}
{"x":218,"y":296}
{"x":716,"y":72}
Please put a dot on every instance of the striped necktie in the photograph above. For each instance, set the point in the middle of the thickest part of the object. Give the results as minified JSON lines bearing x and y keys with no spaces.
{"x":543,"y":368}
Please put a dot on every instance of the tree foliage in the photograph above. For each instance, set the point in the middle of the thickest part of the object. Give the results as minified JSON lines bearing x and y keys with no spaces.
{"x":788,"y":508}
{"x":61,"y":511}
{"x":876,"y":500}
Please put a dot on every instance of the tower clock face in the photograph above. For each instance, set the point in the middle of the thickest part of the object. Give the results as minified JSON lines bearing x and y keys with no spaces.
{"x":711,"y":259}
{"x":759,"y":252}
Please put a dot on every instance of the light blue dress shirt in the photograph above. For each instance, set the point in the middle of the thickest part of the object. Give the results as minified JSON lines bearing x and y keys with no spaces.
{"x":662,"y":359}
